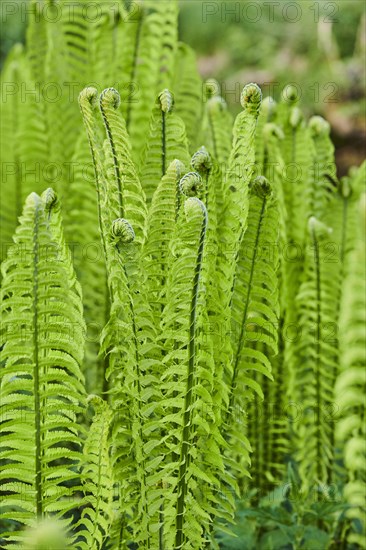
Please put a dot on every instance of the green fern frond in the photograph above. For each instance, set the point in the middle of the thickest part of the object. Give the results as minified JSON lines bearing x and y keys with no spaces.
{"x":350,"y":384}
{"x":233,"y":216}
{"x":36,"y":39}
{"x":323,"y":170}
{"x":126,"y":189}
{"x":167,"y":23}
{"x":97,"y":478}
{"x":161,"y":221}
{"x":189,"y":372}
{"x":318,"y":358}
{"x":142,"y":61}
{"x":240,"y":168}
{"x":167,"y":141}
{"x":42,"y":387}
{"x":255,"y":302}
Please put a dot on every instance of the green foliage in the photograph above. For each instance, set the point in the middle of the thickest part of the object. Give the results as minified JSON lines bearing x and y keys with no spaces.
{"x":42,"y":388}
{"x":212,"y":354}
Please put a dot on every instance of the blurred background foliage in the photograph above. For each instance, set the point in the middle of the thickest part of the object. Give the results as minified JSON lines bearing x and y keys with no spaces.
{"x":318,"y":45}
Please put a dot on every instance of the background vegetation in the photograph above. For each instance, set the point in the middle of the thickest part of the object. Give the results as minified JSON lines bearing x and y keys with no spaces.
{"x":320,"y":46}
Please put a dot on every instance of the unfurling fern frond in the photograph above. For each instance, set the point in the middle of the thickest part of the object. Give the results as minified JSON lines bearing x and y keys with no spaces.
{"x":350,"y":385}
{"x":193,"y":461}
{"x":42,"y":387}
{"x":323,"y":169}
{"x":255,"y":311}
{"x":167,"y":141}
{"x":126,"y":189}
{"x":240,"y":170}
{"x":161,"y":221}
{"x":97,"y":478}
{"x":232,"y":218}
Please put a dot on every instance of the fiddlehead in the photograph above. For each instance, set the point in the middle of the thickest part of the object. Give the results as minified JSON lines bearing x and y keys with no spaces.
{"x":192,"y":185}
{"x":122,"y":231}
{"x":201,"y":161}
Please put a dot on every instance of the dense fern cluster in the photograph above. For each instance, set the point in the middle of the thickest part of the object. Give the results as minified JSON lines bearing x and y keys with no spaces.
{"x":200,"y":278}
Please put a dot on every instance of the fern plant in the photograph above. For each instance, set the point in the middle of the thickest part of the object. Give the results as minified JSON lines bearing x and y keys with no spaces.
{"x":205,"y":327}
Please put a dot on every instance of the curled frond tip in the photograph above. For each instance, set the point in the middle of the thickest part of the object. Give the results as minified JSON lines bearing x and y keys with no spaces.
{"x":89,"y":95}
{"x":166,"y":100}
{"x":110,"y":98}
{"x":318,"y":125}
{"x":194,"y":206}
{"x":251,"y":97}
{"x":191,"y":184}
{"x":122,"y":231}
{"x":49,"y":198}
{"x":262,"y":187}
{"x":201,"y":160}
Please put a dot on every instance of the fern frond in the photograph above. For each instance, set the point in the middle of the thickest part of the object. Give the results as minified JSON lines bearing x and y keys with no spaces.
{"x":323,"y":169}
{"x":167,"y":141}
{"x":128,"y":191}
{"x":42,"y":387}
{"x":166,"y":16}
{"x":97,"y":478}
{"x":129,"y":339}
{"x":233,"y":216}
{"x":141,"y":67}
{"x":189,"y":373}
{"x":255,"y":303}
{"x":350,"y":384}
{"x":161,"y":221}
{"x":318,"y":358}
{"x":240,"y":168}
{"x":36,"y":39}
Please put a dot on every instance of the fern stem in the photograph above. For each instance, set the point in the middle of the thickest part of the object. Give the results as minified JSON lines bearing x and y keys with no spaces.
{"x":184,"y":457}
{"x":109,"y":98}
{"x":344,"y":232}
{"x":36,"y":381}
{"x":87,"y":100}
{"x":163,"y":142}
{"x":318,"y":350}
{"x":245,"y":313}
